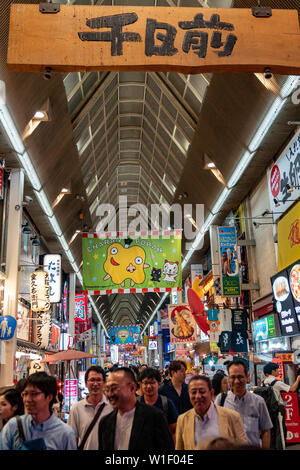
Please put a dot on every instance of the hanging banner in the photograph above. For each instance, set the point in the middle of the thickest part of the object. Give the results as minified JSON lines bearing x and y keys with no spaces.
{"x":36,"y":366}
{"x":284,"y":303}
{"x":264,"y":328}
{"x":289,"y":237}
{"x":52,"y":265}
{"x":8,"y":325}
{"x":23,"y":322}
{"x":230,"y":277}
{"x":124,"y":334}
{"x":42,"y":329}
{"x":182,"y":324}
{"x":164,"y":319}
{"x":284,"y":180}
{"x":131,"y":263}
{"x":55,"y":337}
{"x":83,"y":330}
{"x":80,"y":307}
{"x":293,"y":272}
{"x":39,"y":291}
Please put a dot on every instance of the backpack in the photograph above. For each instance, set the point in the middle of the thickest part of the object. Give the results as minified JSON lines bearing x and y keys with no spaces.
{"x":164,"y":402}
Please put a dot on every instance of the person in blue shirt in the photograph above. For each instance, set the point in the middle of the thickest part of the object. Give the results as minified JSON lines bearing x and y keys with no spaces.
{"x":177,"y":390}
{"x":11,"y":404}
{"x":150,"y":380}
{"x":41,"y":428}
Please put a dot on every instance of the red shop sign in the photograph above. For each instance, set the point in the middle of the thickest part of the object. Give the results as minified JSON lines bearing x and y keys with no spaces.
{"x":292,"y":418}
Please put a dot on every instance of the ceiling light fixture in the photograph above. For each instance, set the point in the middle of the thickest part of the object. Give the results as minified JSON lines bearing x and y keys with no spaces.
{"x":39,"y":116}
{"x":210,"y":165}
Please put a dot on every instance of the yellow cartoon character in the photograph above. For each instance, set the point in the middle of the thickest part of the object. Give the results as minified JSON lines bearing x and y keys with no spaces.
{"x":125,"y":263}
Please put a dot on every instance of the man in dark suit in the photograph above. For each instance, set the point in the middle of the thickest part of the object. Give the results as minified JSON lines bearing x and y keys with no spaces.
{"x":132,"y":425}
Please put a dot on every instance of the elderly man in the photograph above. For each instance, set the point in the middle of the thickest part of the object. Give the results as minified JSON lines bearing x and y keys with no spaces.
{"x":85,"y":415}
{"x":206,"y":421}
{"x":42,"y":430}
{"x":251,"y":407}
{"x":132,"y":425}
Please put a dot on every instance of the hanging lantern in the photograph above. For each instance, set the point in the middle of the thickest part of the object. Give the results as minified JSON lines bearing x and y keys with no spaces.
{"x":39,"y":291}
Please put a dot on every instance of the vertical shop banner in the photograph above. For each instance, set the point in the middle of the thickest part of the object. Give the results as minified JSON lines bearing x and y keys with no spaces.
{"x":164,"y":319}
{"x":239,"y":330}
{"x":83,"y":330}
{"x":52,"y":265}
{"x":292,"y":416}
{"x":285,"y":173}
{"x":124,"y":334}
{"x":288,"y":229}
{"x":39,"y":291}
{"x":23,"y":322}
{"x":55,"y":336}
{"x":134,"y":264}
{"x":229,"y":266}
{"x":42,"y":329}
{"x":284,"y":303}
{"x":80,"y":307}
{"x":71,"y":393}
{"x":182,"y":324}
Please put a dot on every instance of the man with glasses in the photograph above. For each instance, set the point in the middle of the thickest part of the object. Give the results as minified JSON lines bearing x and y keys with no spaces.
{"x":41,"y":428}
{"x":177,"y":390}
{"x":85,"y":415}
{"x":132,"y":425}
{"x":207,"y":421}
{"x":150,"y":380}
{"x":251,"y":407}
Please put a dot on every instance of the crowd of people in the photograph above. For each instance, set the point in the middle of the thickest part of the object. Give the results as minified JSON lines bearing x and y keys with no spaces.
{"x":141,"y":409}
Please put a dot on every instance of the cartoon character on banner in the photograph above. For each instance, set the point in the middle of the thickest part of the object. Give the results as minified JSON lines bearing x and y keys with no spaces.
{"x":8,"y":326}
{"x":198,"y":310}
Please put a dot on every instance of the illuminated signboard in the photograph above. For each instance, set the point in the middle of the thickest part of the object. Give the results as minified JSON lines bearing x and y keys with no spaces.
{"x":52,"y":265}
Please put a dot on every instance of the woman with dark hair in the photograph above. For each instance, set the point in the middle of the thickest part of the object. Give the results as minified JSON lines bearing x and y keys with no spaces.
{"x":11,"y":404}
{"x":220,"y":383}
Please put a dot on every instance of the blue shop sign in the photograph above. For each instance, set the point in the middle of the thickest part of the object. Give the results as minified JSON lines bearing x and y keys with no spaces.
{"x":8,"y":325}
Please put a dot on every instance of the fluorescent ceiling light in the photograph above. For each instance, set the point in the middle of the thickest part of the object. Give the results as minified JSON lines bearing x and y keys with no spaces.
{"x":10,"y":129}
{"x":63,"y":243}
{"x":44,"y":203}
{"x":30,"y":171}
{"x":55,"y":225}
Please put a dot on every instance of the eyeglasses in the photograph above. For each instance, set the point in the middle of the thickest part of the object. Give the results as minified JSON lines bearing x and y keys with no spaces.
{"x":149,"y":383}
{"x":30,"y":394}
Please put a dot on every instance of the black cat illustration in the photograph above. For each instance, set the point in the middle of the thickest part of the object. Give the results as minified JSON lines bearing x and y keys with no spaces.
{"x":156,"y":275}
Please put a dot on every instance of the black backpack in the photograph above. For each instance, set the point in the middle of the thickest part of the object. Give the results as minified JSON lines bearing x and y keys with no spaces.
{"x":164,"y":402}
{"x":267,"y":393}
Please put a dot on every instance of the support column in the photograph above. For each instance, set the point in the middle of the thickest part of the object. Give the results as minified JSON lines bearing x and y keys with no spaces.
{"x":8,"y":348}
{"x":72,"y":283}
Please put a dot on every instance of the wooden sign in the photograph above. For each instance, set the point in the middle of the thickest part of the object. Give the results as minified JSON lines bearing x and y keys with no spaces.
{"x":185,"y":40}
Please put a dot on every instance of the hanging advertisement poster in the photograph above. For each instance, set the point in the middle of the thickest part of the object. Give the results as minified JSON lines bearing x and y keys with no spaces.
{"x":83,"y":330}
{"x":282,"y":175}
{"x":182,"y":324}
{"x":135,"y":263}
{"x":39,"y":291}
{"x":285,"y":306}
{"x":293,"y":272}
{"x":52,"y":265}
{"x":80,"y":307}
{"x":42,"y":329}
{"x":229,"y":266}
{"x":124,"y":334}
{"x":23,"y":322}
{"x":292,"y":417}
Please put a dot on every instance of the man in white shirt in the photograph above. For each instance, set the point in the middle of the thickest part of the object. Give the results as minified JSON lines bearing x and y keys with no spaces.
{"x":132,"y":425}
{"x":271,"y":372}
{"x":83,"y":413}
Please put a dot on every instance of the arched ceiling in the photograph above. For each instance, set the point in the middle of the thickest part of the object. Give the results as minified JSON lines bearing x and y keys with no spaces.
{"x":142,"y":135}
